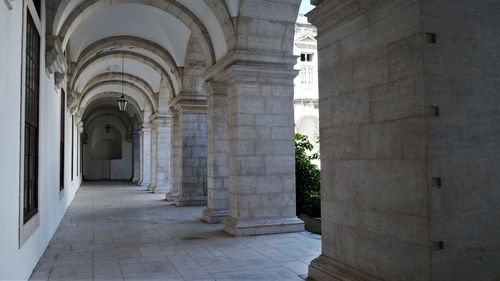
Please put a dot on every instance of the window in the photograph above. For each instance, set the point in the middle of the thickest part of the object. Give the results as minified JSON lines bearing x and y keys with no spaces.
{"x":61,"y":141}
{"x":307,"y":75}
{"x":38,"y":7}
{"x":306,"y":57}
{"x":31,"y":119}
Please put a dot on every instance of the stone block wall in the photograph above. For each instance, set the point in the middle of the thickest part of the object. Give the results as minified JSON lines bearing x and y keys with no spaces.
{"x":409,"y":127}
{"x":372,"y":126}
{"x":461,"y":79}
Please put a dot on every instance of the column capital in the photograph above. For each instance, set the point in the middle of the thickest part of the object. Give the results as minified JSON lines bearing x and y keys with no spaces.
{"x":54,"y":55}
{"x":213,"y":87}
{"x":261,"y":73}
{"x":245,"y":57}
{"x":160,"y":120}
{"x":187,"y":103}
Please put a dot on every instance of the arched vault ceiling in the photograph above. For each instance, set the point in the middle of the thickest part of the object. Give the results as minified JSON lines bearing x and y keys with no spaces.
{"x":127,"y":44}
{"x":114,"y":64}
{"x":67,"y":6}
{"x":132,"y":20}
{"x":205,"y":14}
{"x":130,"y":91}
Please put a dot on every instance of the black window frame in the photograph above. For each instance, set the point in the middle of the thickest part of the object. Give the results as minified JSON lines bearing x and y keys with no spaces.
{"x":31,"y":119}
{"x":72,"y":146}
{"x":62,"y":139}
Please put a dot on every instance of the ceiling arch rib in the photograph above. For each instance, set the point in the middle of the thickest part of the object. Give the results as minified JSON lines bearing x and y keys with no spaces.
{"x":135,"y":64}
{"x":109,"y":105}
{"x":214,"y":23}
{"x":135,"y":44}
{"x":125,"y":83}
{"x":99,"y":98}
{"x":118,"y":76}
{"x":89,"y":117}
{"x":88,"y":8}
{"x":128,"y":88}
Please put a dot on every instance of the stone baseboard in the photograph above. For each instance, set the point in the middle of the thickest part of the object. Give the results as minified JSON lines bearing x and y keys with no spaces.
{"x":214,"y":216}
{"x":328,"y":269}
{"x":237,"y":227}
{"x":192,"y":201}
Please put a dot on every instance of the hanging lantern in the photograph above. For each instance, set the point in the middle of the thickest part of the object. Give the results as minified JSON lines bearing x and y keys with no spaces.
{"x":107,"y":128}
{"x":122,"y":103}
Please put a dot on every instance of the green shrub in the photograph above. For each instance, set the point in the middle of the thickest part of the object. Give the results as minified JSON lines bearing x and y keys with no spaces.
{"x":307,"y":178}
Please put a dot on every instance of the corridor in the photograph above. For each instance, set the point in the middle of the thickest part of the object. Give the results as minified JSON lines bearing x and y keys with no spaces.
{"x":118,"y":232}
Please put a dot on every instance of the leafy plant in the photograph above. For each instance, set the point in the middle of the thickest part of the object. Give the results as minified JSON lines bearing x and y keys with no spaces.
{"x":307,"y":177}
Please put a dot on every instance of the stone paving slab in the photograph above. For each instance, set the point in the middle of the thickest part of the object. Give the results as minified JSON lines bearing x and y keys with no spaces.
{"x":119,"y":232}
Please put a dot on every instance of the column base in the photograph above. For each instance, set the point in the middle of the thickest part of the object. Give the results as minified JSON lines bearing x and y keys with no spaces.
{"x":171,"y":196}
{"x":214,"y":216}
{"x":161,"y":190}
{"x":139,"y":182}
{"x":135,"y":180}
{"x":328,"y":269}
{"x":151,"y":187}
{"x":237,"y":227}
{"x":193,"y":201}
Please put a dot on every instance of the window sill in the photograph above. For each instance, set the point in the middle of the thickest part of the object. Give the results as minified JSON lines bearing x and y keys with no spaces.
{"x":26,"y":230}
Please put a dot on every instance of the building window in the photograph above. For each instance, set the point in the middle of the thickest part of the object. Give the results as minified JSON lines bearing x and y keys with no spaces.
{"x":307,"y":75}
{"x":306,"y":57}
{"x":31,"y":120}
{"x":38,"y":7}
{"x":61,"y":140}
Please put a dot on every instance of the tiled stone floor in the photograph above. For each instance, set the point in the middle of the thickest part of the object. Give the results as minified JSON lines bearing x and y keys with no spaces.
{"x":118,"y":232}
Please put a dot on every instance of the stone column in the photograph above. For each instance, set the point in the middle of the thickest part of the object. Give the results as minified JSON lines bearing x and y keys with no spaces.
{"x":136,"y":150}
{"x":145,"y":156}
{"x":154,"y":141}
{"x":161,"y":141}
{"x":218,"y":158}
{"x":174,"y":163}
{"x":191,"y":158}
{"x":261,"y":148}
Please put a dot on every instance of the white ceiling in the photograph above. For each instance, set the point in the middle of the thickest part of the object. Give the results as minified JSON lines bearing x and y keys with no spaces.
{"x":132,"y":20}
{"x":141,"y":70}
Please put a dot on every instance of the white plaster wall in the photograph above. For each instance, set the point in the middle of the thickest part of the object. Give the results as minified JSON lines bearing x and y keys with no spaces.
{"x":120,"y":169}
{"x":17,"y":264}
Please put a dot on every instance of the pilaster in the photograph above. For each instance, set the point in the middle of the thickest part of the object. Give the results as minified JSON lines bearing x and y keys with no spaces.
{"x":145,"y":156}
{"x":190,"y":159}
{"x":161,"y":153}
{"x":217,"y":153}
{"x":154,"y":141}
{"x":136,"y":150}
